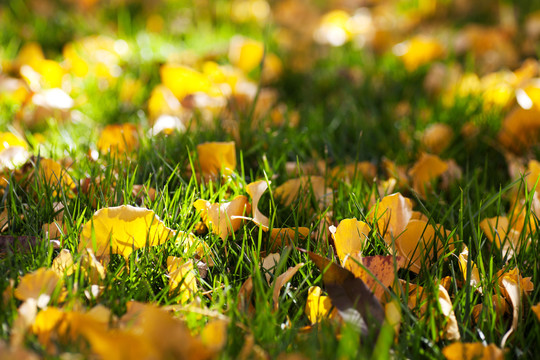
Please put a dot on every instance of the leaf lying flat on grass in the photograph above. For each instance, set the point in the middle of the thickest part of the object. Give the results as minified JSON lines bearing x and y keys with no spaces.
{"x":355,"y":302}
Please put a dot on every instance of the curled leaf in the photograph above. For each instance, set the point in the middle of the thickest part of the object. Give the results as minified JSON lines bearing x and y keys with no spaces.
{"x":224,"y":218}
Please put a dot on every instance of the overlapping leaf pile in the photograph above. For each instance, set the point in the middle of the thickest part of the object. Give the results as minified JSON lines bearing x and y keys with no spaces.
{"x":168,"y":201}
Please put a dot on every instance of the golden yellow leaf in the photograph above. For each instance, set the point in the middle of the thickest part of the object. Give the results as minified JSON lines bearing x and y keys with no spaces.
{"x":299,"y":187}
{"x":118,"y":139}
{"x":281,"y":280}
{"x":30,"y":54}
{"x":8,"y":140}
{"x":437,"y":137}
{"x":53,"y":174}
{"x":500,"y":233}
{"x":214,"y":334}
{"x":217,"y":157}
{"x":425,"y":171}
{"x":392,"y":214}
{"x":255,"y":191}
{"x":475,"y":274}
{"x":536,"y":310}
{"x":182,"y":274}
{"x":286,"y":236}
{"x":318,"y":306}
{"x":520,"y":129}
{"x":392,"y":312}
{"x":94,"y":269}
{"x":63,"y":263}
{"x":183,"y":80}
{"x":349,"y":239}
{"x":224,"y":218}
{"x":451,"y":329}
{"x":419,"y":51}
{"x":38,"y":285}
{"x":121,"y":230}
{"x":246,"y":54}
{"x":364,"y":169}
{"x":419,"y":241}
{"x":45,"y":325}
{"x":472,"y":351}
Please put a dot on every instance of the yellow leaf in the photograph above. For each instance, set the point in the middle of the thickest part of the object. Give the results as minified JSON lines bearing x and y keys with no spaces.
{"x":94,"y":269}
{"x":224,"y":218}
{"x":118,"y":139}
{"x":451,"y":329}
{"x":520,"y":129}
{"x":392,"y":311}
{"x":536,"y":310}
{"x":285,"y":236}
{"x":298,"y":188}
{"x":30,"y":54}
{"x":392,"y":214}
{"x":419,"y":51}
{"x":425,"y":171}
{"x":349,"y":239}
{"x":8,"y":140}
{"x":437,"y":137}
{"x":318,"y":306}
{"x":255,"y":191}
{"x":38,"y":285}
{"x":63,"y":263}
{"x":182,"y":80}
{"x":475,"y":274}
{"x":245,"y":54}
{"x":418,"y":243}
{"x":182,"y":274}
{"x":54,"y":174}
{"x":500,"y":233}
{"x":281,"y":280}
{"x":121,"y":230}
{"x":214,"y":334}
{"x":45,"y":325}
{"x":472,"y":351}
{"x":217,"y":157}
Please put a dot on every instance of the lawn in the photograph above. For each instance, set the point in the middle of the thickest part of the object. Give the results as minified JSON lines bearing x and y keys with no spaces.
{"x":267,"y":179}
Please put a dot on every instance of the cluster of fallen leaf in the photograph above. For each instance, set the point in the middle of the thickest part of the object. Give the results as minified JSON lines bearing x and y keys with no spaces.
{"x":362,"y":290}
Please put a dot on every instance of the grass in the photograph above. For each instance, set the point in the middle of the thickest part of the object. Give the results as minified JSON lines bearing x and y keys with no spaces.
{"x":341,"y":121}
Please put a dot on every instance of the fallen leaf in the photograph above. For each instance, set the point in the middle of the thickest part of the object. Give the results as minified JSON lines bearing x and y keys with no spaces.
{"x":392,"y":215}
{"x":471,"y":351}
{"x":286,"y":236}
{"x":245,"y":54}
{"x":255,"y":191}
{"x":269,"y":264}
{"x":499,"y":232}
{"x":475,"y":274}
{"x":38,"y":285}
{"x":118,"y":139}
{"x":520,"y":129}
{"x":217,"y":158}
{"x":63,"y":263}
{"x":214,"y":334}
{"x":318,"y":306}
{"x":380,"y":273}
{"x":355,"y":303}
{"x":245,"y":293}
{"x":183,"y":80}
{"x":425,"y":171}
{"x":224,"y":218}
{"x":121,"y":230}
{"x":182,"y":276}
{"x":281,"y":280}
{"x":536,"y":310}
{"x":299,"y":188}
{"x":349,"y":239}
{"x":419,"y":51}
{"x":437,"y":137}
{"x":451,"y":329}
{"x":54,"y":175}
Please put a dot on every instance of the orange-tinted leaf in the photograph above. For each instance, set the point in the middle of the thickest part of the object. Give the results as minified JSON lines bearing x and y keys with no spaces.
{"x":382,"y":270}
{"x":520,"y":129}
{"x":45,"y":325}
{"x":217,"y":157}
{"x":286,"y":236}
{"x":118,"y":139}
{"x":122,"y":230}
{"x":224,"y":218}
{"x":437,"y":137}
{"x":536,"y":310}
{"x":281,"y":280}
{"x":214,"y":334}
{"x":299,"y":188}
{"x":425,"y":171}
{"x":38,"y":285}
{"x":53,"y":174}
{"x":500,"y":233}
{"x":472,"y":351}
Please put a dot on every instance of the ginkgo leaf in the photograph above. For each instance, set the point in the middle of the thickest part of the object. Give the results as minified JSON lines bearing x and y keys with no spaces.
{"x":255,"y":191}
{"x":536,"y":310}
{"x":183,"y":80}
{"x":45,"y":326}
{"x":425,"y":171}
{"x":189,"y":241}
{"x":419,"y":241}
{"x":513,"y":286}
{"x":296,"y":188}
{"x":121,"y":230}
{"x":451,"y":329}
{"x":418,"y":51}
{"x":437,"y":137}
{"x":472,"y":351}
{"x":217,"y":157}
{"x":38,"y":285}
{"x":392,"y":214}
{"x":281,"y":280}
{"x":94,"y":268}
{"x":365,"y":169}
{"x":118,"y":139}
{"x":349,"y":239}
{"x":214,"y":334}
{"x":393,"y":317}
{"x":500,"y":233}
{"x":318,"y":306}
{"x":224,"y":218}
{"x":380,"y":273}
{"x":520,"y":129}
{"x":286,"y":236}
{"x":53,"y":174}
{"x":245,"y":54}
{"x":269,"y":265}
{"x":475,"y":274}
{"x":63,"y":263}
{"x":182,"y":274}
